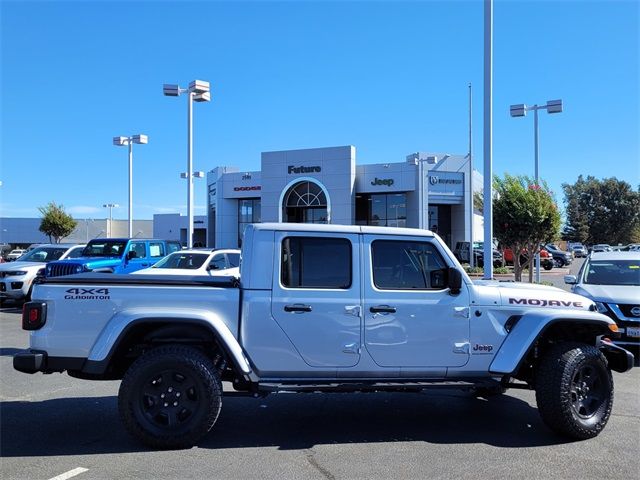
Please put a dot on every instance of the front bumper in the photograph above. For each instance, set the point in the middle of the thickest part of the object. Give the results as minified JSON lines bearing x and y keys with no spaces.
{"x":32,"y":361}
{"x":620,"y":360}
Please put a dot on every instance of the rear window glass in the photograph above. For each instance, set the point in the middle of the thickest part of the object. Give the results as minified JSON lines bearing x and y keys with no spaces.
{"x":316,"y":263}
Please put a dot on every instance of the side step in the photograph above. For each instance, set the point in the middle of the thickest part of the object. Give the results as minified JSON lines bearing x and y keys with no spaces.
{"x":366,"y":387}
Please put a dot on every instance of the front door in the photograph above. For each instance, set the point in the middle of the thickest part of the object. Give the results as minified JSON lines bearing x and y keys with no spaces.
{"x":316,"y":296}
{"x":410,"y":318}
{"x":139,"y":260}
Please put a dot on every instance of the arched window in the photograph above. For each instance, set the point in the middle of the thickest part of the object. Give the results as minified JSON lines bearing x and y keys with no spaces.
{"x":305,"y":202}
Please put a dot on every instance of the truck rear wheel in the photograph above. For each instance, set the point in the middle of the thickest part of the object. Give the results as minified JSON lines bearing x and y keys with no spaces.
{"x":574,"y":390}
{"x":170,"y":397}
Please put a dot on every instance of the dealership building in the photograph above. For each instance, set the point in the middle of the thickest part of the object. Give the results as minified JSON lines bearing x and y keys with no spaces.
{"x":325,"y":185}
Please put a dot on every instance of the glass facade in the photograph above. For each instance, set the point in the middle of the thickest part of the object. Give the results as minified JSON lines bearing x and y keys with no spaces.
{"x":248,"y":212}
{"x":381,"y":209}
{"x":305,"y":203}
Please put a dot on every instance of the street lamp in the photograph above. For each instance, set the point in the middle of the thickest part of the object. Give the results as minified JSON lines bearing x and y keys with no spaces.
{"x":198,"y":91}
{"x":110,"y":206}
{"x":520,"y":110}
{"x":129,"y":141}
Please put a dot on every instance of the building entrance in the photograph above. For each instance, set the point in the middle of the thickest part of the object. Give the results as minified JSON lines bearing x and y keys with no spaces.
{"x":305,"y":202}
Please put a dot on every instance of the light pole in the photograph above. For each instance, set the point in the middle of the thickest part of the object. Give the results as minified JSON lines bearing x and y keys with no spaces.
{"x":110,"y":206}
{"x":520,"y":110}
{"x":129,"y":141}
{"x":198,"y":91}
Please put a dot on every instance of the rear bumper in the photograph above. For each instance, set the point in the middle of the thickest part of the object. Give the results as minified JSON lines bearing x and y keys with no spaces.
{"x":32,"y":361}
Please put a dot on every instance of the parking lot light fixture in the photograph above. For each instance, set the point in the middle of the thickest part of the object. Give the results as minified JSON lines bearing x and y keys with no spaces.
{"x":129,"y":141}
{"x":198,"y":91}
{"x":520,"y":110}
{"x":110,"y":206}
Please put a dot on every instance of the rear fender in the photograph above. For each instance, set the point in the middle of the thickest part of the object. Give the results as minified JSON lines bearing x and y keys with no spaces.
{"x":532,"y":325}
{"x":108,"y":340}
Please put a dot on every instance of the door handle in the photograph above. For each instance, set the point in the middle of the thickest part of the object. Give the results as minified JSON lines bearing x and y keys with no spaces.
{"x":382,"y":309}
{"x":297,"y":308}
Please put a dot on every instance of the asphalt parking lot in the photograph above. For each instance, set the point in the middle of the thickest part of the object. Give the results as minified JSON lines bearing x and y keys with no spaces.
{"x":54,"y":424}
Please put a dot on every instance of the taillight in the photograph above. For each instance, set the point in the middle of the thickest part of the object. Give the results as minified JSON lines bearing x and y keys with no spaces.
{"x":34,"y":315}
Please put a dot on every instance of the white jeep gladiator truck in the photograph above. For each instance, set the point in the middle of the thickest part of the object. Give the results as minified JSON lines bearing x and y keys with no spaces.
{"x":322,"y":308}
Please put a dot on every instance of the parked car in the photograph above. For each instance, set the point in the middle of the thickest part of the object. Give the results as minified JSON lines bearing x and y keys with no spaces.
{"x":322,"y":308}
{"x":546,"y":260}
{"x":612,"y":280}
{"x":15,"y":254}
{"x":601,"y":247}
{"x":197,"y":262}
{"x":578,"y":249}
{"x":462,"y":254}
{"x":16,"y":278}
{"x":114,"y":255}
{"x":560,"y":257}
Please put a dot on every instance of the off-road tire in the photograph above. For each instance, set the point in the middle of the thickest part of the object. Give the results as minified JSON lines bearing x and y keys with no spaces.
{"x":574,"y":390}
{"x":171,"y":384}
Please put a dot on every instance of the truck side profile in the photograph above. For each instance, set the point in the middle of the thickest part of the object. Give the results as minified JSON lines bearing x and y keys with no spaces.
{"x":322,"y":308}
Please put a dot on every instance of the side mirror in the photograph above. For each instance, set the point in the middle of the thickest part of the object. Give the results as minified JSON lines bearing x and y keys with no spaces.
{"x":454,"y":280}
{"x":212,"y":266}
{"x":131,"y":254}
{"x":570,"y":279}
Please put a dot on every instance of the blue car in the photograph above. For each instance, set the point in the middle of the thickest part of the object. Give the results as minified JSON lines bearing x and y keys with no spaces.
{"x":114,"y":255}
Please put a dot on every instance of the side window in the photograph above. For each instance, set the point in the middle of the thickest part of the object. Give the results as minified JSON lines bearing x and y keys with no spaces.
{"x":173,"y":247}
{"x":407,"y":265}
{"x":234,"y":259}
{"x":75,"y":252}
{"x":218,"y":262}
{"x":316,"y":263}
{"x":156,"y":249}
{"x":139,"y":248}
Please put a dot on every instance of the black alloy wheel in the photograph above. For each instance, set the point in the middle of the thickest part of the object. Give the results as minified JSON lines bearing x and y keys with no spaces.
{"x":170,"y":397}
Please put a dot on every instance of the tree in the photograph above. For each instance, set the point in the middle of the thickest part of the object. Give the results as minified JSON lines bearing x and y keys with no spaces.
{"x":525,"y":215}
{"x":601,"y":211}
{"x":56,"y":222}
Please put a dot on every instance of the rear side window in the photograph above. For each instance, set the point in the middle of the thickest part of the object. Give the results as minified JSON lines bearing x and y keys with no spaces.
{"x":234,"y":259}
{"x":173,"y":247}
{"x":75,"y":252}
{"x":156,"y":249}
{"x":316,"y":263}
{"x":407,"y":265}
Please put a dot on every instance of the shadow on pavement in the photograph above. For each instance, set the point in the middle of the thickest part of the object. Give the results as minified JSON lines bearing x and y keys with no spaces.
{"x":77,"y":426}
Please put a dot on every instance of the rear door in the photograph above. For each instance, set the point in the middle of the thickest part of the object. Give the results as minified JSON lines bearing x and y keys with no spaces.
{"x":316,"y":296}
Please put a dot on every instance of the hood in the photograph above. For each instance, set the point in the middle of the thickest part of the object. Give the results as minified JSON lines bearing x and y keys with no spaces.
{"x":513,"y":294}
{"x":90,"y":262}
{"x":625,"y":294}
{"x":229,"y":272}
{"x":10,"y":266}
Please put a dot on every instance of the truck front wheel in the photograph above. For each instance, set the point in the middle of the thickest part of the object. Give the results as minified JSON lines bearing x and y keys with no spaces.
{"x":170,"y":397}
{"x":574,"y":390}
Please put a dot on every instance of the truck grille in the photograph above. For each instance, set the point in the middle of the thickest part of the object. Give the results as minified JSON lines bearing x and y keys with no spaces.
{"x":626,"y":310}
{"x":60,"y":270}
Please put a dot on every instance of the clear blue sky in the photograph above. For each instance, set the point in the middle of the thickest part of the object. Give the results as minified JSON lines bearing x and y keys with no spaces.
{"x":388,"y":77}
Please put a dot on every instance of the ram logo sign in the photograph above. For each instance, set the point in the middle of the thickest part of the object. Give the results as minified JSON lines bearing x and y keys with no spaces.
{"x":537,"y":302}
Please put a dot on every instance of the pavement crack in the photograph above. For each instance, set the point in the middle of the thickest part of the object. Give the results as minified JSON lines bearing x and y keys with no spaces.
{"x":311,"y":458}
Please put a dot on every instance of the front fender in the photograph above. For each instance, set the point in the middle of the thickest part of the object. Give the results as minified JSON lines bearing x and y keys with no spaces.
{"x":532,"y":324}
{"x":116,"y":328}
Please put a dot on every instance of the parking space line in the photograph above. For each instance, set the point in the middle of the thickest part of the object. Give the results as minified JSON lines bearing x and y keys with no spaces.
{"x":70,"y":473}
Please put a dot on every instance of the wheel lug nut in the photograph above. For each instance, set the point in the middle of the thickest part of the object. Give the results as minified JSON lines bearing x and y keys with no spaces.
{"x":162,"y":395}
{"x":175,"y":404}
{"x":166,"y":404}
{"x":170,"y":389}
{"x":177,"y":394}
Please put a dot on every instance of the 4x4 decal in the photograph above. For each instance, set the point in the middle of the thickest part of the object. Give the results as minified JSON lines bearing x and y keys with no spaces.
{"x":87,"y":294}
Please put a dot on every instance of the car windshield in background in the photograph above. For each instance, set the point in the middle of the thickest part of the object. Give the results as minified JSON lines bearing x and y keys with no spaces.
{"x":43,"y":254}
{"x":185,"y":261}
{"x":613,"y":272}
{"x":104,"y":248}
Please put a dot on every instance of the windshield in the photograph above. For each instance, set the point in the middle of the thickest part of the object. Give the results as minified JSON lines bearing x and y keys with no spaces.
{"x":613,"y":272}
{"x":104,"y":248}
{"x":187,"y":261}
{"x":43,"y":254}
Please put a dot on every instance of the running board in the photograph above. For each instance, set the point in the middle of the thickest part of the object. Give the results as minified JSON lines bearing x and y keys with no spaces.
{"x":366,"y":387}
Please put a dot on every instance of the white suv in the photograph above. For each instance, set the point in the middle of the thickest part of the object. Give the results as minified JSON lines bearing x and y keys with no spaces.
{"x":16,"y":278}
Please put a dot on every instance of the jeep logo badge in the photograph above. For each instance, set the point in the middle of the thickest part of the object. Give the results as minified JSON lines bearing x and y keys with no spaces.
{"x":635,"y":311}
